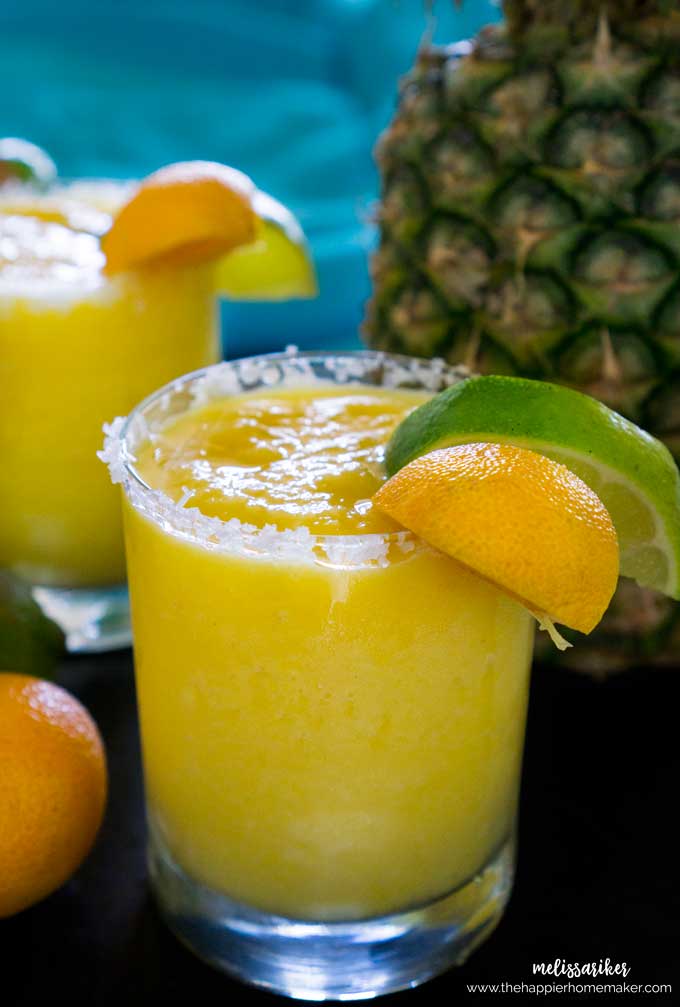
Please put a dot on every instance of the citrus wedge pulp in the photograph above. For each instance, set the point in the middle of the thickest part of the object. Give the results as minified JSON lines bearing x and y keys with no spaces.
{"x":632,"y":473}
{"x":197,"y":211}
{"x":516,"y":518}
{"x":191,"y":211}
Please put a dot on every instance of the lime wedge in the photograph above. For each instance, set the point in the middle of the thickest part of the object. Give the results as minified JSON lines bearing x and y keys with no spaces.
{"x":632,"y":473}
{"x":29,"y":641}
{"x":276,"y":266}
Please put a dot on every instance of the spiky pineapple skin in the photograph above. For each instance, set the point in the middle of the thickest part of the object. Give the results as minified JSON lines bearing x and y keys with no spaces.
{"x":530,"y":224}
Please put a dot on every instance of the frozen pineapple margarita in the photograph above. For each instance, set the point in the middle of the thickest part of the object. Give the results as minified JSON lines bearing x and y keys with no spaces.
{"x":335,"y":566}
{"x":108,"y":290}
{"x":346,"y":741}
{"x":75,"y":345}
{"x":332,"y":712}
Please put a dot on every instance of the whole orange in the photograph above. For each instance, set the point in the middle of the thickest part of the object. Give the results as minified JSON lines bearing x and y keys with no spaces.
{"x":52,"y":788}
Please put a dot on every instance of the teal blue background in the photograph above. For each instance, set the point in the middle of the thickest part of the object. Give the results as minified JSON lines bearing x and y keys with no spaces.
{"x":294,"y":92}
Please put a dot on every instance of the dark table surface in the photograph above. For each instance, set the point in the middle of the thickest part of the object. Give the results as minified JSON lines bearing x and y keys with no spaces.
{"x":598,"y":872}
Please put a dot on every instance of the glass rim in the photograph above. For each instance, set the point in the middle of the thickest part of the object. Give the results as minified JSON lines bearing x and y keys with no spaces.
{"x":83,"y":281}
{"x":373,"y":544}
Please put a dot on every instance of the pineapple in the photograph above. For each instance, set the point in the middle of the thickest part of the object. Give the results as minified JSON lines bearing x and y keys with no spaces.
{"x":530,"y":224}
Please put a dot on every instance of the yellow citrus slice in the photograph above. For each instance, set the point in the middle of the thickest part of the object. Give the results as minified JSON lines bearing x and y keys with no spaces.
{"x":276,"y":266}
{"x":516,"y":518}
{"x":192,"y":211}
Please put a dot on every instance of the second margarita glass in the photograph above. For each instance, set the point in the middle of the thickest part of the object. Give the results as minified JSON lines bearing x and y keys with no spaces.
{"x":77,"y":346}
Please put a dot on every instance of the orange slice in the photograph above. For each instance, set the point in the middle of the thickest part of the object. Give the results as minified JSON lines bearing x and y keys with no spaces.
{"x":518,"y":519}
{"x":192,"y":211}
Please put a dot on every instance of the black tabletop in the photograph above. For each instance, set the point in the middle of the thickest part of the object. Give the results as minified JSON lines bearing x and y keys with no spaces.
{"x":598,"y":874}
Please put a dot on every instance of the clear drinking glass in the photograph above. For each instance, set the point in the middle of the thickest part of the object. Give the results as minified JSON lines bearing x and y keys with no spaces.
{"x":76,"y":347}
{"x":332,"y":726}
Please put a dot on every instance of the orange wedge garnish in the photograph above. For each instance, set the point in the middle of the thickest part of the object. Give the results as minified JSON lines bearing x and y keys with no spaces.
{"x":518,"y":519}
{"x":192,"y":211}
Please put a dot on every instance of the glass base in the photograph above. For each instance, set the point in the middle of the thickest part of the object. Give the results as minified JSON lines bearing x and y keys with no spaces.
{"x":332,"y":961}
{"x":93,"y":619}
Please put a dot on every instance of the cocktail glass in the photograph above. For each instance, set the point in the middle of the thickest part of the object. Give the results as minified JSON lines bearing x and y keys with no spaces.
{"x":332,"y":726}
{"x":76,"y":347}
